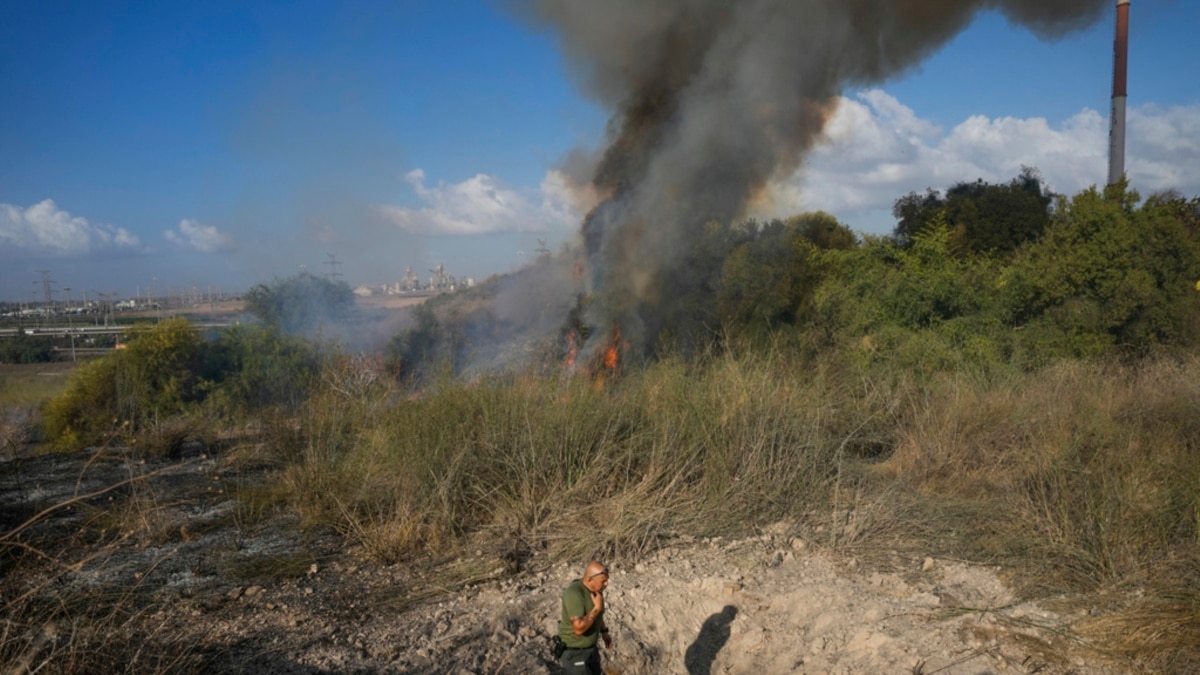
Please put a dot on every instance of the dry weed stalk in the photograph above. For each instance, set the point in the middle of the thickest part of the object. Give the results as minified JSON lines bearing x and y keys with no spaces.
{"x":73,"y":632}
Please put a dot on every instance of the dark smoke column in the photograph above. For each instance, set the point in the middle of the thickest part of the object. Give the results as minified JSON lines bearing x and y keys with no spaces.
{"x":1116,"y":133}
{"x":712,"y":101}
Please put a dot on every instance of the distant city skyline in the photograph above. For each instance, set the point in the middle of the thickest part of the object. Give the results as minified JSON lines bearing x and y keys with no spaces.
{"x":224,"y":144}
{"x":48,"y":292}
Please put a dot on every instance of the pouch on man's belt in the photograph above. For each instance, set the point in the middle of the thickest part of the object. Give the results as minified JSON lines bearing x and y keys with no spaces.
{"x":559,"y":647}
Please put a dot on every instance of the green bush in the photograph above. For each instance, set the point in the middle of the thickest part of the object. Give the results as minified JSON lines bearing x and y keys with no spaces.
{"x":983,"y":219}
{"x":1107,"y":273}
{"x":167,"y":371}
{"x":300,"y":304}
{"x":85,"y":412}
{"x":154,"y":378}
{"x":254,"y":368}
{"x":23,"y":348}
{"x":767,"y":282}
{"x":427,"y":345}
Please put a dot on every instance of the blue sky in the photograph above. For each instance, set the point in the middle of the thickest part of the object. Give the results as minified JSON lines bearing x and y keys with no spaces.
{"x":219,"y":144}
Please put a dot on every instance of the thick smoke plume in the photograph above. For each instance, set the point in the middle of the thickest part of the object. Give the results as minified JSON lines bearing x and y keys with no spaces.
{"x":714,"y":98}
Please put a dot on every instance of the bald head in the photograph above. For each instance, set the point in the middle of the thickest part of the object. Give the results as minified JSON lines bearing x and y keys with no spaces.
{"x":595,"y":576}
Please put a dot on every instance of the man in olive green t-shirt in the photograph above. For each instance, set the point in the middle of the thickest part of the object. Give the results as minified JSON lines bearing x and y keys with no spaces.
{"x":583,"y":621}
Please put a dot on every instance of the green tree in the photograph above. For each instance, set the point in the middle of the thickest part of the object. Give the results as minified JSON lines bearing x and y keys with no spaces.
{"x":301,"y":303}
{"x":913,"y":212}
{"x":162,"y":369}
{"x":824,"y":231}
{"x":983,"y":218}
{"x":1172,"y":204}
{"x":253,"y":368}
{"x":23,"y":348}
{"x":421,"y":348}
{"x":767,"y":281}
{"x":1107,"y":273}
{"x":757,"y":290}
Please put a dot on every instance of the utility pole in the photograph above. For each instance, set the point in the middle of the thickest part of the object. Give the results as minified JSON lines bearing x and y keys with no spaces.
{"x":47,"y":286}
{"x":103,"y":306}
{"x":70,"y":323}
{"x":154,"y":300}
{"x":333,"y":265}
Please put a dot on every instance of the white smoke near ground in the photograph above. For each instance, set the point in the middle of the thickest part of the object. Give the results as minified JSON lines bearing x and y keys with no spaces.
{"x":45,"y":230}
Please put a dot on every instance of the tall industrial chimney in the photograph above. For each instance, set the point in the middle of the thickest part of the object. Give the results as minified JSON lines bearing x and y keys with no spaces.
{"x":1116,"y":133}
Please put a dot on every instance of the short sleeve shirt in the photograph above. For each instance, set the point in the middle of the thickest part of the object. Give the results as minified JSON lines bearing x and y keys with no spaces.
{"x":577,"y":601}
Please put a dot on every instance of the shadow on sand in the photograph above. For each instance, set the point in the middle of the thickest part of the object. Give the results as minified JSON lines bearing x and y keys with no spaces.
{"x":713,"y":636}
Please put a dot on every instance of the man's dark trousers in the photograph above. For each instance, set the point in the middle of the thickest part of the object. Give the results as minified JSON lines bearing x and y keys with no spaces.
{"x":581,"y":661}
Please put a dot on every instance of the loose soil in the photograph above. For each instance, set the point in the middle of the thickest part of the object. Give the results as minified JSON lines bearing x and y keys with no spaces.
{"x":253,"y":594}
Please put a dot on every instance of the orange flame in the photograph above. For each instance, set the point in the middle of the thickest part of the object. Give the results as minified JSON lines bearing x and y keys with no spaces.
{"x":609,"y":362}
{"x":572,"y":349}
{"x":610,"y":354}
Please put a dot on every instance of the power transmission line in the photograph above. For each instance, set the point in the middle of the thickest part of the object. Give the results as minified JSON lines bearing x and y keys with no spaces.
{"x":47,"y":286}
{"x":333,"y":265}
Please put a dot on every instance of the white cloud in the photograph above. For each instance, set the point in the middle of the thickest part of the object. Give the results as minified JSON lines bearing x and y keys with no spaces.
{"x":194,"y":236}
{"x":481,"y":204}
{"x":877,"y":149}
{"x":1164,"y":148}
{"x":46,"y":230}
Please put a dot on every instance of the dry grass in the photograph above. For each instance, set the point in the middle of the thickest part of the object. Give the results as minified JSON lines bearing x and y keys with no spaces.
{"x":536,"y":460}
{"x":30,"y":385}
{"x":120,"y":640}
{"x":53,"y":623}
{"x":23,"y":390}
{"x":1158,"y":630}
{"x":1088,"y":469}
{"x":1080,"y":478}
{"x":1090,"y":473}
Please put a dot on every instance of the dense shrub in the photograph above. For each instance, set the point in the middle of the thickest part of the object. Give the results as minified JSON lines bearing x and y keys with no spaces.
{"x":158,"y":375}
{"x":252,"y":368}
{"x":23,"y":348}
{"x":425,"y":346}
{"x":300,"y":304}
{"x":86,"y":411}
{"x":767,"y":281}
{"x":168,"y":370}
{"x":983,"y":218}
{"x":1108,"y":273}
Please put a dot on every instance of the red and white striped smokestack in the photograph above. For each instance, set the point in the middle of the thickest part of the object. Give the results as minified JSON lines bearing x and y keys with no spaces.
{"x":1116,"y":133}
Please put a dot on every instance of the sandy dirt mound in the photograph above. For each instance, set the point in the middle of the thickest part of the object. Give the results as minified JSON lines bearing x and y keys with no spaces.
{"x":749,"y":606}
